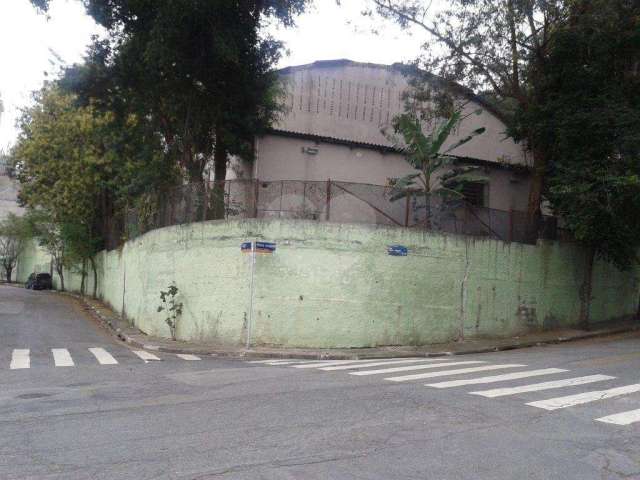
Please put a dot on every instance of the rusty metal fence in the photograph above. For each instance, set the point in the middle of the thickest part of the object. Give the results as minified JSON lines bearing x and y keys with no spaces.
{"x":327,"y":201}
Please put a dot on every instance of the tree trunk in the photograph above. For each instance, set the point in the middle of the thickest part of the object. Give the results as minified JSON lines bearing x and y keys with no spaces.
{"x":586,"y":289}
{"x":83,"y":277}
{"x":194,"y":169}
{"x":220,"y":175}
{"x":60,"y":271}
{"x":95,"y":277}
{"x":534,"y":213}
{"x":427,"y":211}
{"x":8,"y":271}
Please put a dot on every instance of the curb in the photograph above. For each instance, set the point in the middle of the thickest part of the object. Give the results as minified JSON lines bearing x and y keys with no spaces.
{"x":319,"y":355}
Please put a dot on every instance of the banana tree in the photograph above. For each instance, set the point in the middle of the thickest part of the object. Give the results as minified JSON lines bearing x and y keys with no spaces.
{"x":425,"y":153}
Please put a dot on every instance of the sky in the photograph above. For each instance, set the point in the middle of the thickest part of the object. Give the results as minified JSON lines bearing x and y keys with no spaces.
{"x":34,"y":46}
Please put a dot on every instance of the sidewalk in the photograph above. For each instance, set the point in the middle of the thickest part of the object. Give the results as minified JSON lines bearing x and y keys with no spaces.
{"x":136,"y":338}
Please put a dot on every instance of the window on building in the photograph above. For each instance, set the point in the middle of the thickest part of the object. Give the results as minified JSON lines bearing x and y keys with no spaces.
{"x":474,"y":193}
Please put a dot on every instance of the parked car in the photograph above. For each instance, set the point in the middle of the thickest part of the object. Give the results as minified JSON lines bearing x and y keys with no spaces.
{"x":39,"y":281}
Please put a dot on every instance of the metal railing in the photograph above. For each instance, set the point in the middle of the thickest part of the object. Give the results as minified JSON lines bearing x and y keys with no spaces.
{"x":328,"y":201}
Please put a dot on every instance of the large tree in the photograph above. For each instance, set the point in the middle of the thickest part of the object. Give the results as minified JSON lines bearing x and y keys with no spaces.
{"x":82,"y":167}
{"x":490,"y":47}
{"x":585,"y":118}
{"x":200,"y":70}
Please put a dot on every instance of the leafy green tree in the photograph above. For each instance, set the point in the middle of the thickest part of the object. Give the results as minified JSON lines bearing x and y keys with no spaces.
{"x":15,"y":232}
{"x":585,"y":117}
{"x":438,"y":173}
{"x":201,"y":71}
{"x":491,"y":47}
{"x":83,"y":166}
{"x":48,"y":233}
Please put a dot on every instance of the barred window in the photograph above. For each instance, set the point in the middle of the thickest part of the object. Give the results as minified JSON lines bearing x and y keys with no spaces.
{"x":474,"y":193}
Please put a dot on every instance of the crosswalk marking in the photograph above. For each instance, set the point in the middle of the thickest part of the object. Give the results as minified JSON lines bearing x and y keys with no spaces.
{"x":586,"y":397}
{"x":283,"y":362}
{"x":534,"y":387}
{"x":144,"y":355}
{"x":187,"y":356}
{"x":446,"y":373}
{"x":264,"y":361}
{"x":20,"y":359}
{"x":62,"y":357}
{"x":413,"y":367}
{"x":330,"y":363}
{"x":103,"y":357}
{"x":624,"y":418}
{"x":496,"y":378}
{"x":373,"y":364}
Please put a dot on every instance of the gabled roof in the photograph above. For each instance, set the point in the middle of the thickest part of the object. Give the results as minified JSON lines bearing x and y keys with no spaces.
{"x":407,"y":70}
{"x":351,"y":102}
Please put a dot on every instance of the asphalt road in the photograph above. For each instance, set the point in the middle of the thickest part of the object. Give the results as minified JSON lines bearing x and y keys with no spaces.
{"x":107,"y":413}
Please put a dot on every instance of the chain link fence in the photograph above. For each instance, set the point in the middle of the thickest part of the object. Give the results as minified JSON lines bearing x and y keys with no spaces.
{"x":328,"y":201}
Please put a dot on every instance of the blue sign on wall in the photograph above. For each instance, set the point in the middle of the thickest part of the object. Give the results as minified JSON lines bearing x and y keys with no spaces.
{"x":265,"y":247}
{"x":260,"y":247}
{"x":397,"y":250}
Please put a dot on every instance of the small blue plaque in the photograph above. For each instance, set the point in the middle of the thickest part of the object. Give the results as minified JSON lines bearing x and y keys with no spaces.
{"x":260,"y":247}
{"x":397,"y":250}
{"x":265,"y":247}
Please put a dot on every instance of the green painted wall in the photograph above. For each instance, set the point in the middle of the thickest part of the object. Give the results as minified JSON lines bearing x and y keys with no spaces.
{"x":333,"y":285}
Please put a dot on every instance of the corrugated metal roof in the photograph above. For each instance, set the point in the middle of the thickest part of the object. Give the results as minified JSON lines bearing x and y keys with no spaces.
{"x":353,"y":102}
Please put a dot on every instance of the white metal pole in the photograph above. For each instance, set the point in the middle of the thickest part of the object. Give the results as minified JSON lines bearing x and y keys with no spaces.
{"x":251,"y":288}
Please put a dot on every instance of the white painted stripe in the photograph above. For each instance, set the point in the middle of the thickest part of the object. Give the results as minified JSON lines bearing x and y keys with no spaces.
{"x":330,"y":363}
{"x":624,"y":418}
{"x":586,"y":397}
{"x":187,"y":356}
{"x":534,"y":387}
{"x":413,"y":367}
{"x":496,"y":378}
{"x":103,"y":357}
{"x":445,"y":373}
{"x":20,"y":359}
{"x":146,"y":356}
{"x":374,"y":364}
{"x":62,"y":357}
{"x":280,"y":362}
{"x":263,"y":361}
{"x":276,"y":360}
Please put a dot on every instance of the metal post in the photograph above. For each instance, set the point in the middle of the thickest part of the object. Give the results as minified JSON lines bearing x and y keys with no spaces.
{"x":172,"y":201}
{"x":205,"y":201}
{"x":255,"y":198}
{"x":251,"y":289}
{"x":407,"y":207}
{"x":328,"y":202}
{"x":510,"y":236}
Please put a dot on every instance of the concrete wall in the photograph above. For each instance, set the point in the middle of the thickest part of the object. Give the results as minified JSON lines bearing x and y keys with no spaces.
{"x":333,"y":285}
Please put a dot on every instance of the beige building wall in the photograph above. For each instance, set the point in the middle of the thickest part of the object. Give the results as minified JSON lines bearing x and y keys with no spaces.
{"x":333,"y":129}
{"x":355,"y":102}
{"x":285,"y":158}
